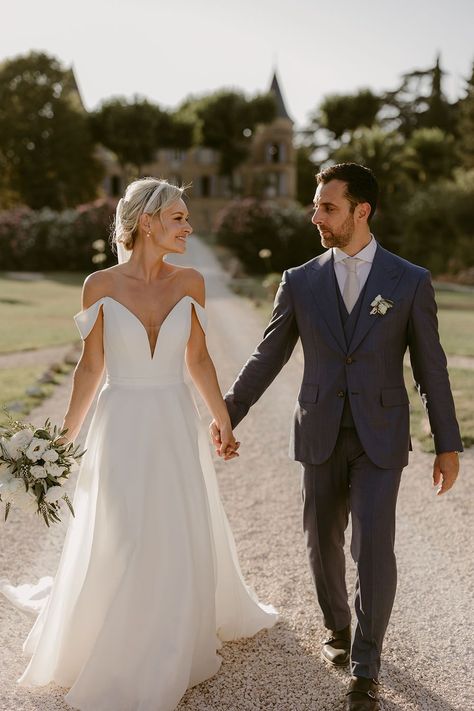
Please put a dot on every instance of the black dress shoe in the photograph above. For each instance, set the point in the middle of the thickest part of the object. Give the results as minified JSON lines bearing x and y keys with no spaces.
{"x":362,"y":695}
{"x":337,"y":648}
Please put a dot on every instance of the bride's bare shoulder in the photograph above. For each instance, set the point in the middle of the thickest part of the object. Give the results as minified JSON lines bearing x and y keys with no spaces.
{"x":193,"y":283}
{"x":97,"y":285}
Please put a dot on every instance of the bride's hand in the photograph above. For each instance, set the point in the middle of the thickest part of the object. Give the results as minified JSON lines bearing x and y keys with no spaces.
{"x":224,"y":441}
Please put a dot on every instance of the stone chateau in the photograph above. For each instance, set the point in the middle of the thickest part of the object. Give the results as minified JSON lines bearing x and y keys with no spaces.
{"x":269,"y":171}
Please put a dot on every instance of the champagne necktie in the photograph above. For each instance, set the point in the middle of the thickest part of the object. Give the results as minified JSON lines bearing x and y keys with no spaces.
{"x":352,"y":285}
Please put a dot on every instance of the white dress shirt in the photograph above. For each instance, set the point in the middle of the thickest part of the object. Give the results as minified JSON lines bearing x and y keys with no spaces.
{"x":366,"y":256}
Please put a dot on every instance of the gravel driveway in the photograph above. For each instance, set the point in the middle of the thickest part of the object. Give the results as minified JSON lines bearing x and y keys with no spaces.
{"x":428,"y":657}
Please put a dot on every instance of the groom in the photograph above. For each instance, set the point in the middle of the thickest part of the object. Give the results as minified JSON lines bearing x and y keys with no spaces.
{"x":356,"y":308}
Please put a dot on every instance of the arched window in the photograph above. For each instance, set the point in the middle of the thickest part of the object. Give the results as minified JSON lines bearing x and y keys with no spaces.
{"x":276,"y":152}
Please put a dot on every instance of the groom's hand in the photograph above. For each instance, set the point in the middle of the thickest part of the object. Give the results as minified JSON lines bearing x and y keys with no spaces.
{"x":445,"y":471}
{"x":223,"y":441}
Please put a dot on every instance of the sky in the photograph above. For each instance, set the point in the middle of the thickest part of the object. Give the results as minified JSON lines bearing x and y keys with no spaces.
{"x":167,"y":50}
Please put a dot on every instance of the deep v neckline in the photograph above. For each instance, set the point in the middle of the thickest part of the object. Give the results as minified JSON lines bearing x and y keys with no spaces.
{"x":151,"y":350}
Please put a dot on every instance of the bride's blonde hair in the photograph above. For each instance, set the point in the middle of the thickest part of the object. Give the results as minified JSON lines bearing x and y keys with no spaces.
{"x":150,"y":195}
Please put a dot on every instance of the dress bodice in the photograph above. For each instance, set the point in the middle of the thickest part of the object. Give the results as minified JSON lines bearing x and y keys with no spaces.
{"x":128,"y":357}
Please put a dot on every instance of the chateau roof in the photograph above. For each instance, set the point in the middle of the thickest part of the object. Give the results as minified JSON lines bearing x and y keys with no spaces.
{"x":281,"y":108}
{"x":73,"y":87}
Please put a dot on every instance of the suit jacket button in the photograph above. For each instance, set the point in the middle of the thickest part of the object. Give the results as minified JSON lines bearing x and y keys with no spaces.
{"x":340,"y":393}
{"x":349,"y":360}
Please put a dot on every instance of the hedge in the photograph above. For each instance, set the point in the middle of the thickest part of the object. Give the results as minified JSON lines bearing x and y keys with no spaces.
{"x":266,"y":236}
{"x":45,"y":240}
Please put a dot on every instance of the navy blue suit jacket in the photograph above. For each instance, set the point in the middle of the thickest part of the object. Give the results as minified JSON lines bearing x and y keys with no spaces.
{"x":368,"y":370}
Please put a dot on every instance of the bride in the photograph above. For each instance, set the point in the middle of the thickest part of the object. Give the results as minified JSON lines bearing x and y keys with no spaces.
{"x":148,"y":583}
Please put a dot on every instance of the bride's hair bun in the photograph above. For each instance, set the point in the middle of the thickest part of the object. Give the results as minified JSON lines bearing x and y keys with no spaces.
{"x":149,"y":195}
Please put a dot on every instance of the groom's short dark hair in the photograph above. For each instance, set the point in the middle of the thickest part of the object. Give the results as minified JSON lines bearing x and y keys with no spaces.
{"x":362,"y":185}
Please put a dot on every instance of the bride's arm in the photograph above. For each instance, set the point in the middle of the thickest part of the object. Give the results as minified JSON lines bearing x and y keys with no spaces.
{"x":202,"y":371}
{"x":90,"y":367}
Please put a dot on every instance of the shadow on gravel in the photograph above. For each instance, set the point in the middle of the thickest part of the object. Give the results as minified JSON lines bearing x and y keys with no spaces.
{"x":410,"y":691}
{"x":272,"y":671}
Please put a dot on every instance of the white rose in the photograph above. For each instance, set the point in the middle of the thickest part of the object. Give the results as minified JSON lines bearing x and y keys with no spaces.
{"x":53,"y":469}
{"x":53,"y":494}
{"x":13,"y":445}
{"x":382,"y":309}
{"x":38,"y":472}
{"x":36,"y":449}
{"x":50,"y":455}
{"x":19,"y":442}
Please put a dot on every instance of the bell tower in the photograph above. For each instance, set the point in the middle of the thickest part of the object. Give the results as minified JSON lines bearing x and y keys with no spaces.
{"x":273,"y":158}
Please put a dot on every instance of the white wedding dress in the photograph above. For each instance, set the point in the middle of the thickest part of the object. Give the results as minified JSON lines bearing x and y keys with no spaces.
{"x":148,"y":582}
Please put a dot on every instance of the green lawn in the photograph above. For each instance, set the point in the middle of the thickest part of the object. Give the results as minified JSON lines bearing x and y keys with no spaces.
{"x":35,"y":314}
{"x":13,"y":385}
{"x":38,"y":314}
{"x":459,"y":300}
{"x":14,"y":381}
{"x":456,"y":320}
{"x":462,"y":384}
{"x":456,"y":330}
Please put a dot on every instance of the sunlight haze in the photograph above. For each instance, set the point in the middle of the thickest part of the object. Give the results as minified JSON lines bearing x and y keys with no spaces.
{"x":165,"y":51}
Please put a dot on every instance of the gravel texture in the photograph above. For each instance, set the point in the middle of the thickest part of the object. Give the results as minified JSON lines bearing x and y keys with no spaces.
{"x":428,"y":655}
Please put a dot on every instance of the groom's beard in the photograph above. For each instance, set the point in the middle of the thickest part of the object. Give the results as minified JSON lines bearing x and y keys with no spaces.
{"x":339,"y":238}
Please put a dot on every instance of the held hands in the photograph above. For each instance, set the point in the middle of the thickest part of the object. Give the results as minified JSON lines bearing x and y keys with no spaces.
{"x":445,"y":471}
{"x":223,"y":440}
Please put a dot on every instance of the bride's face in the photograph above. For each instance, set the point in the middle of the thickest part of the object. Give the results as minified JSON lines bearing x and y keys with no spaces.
{"x":172,"y":230}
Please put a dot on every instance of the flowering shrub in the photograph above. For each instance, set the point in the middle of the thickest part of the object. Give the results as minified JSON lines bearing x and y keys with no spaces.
{"x":45,"y":240}
{"x":266,"y":236}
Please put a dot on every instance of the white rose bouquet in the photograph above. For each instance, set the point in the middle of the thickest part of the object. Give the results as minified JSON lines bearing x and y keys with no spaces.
{"x":34,"y":464}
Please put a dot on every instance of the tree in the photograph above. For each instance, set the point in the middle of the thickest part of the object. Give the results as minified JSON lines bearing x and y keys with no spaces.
{"x":419,"y":102}
{"x":226,"y":120}
{"x":381,"y":151}
{"x":437,"y":224}
{"x":45,"y":143}
{"x":306,"y":170}
{"x":338,"y":116}
{"x":432,"y":154}
{"x":342,"y":113}
{"x":135,"y":130}
{"x":466,"y":124}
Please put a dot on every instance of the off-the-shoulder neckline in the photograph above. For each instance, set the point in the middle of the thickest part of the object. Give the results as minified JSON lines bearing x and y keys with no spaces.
{"x":119,"y":303}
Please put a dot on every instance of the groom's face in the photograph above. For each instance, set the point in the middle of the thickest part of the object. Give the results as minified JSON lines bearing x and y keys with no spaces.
{"x":333,"y":214}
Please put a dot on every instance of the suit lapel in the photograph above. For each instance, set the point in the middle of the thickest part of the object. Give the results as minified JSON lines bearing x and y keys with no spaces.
{"x":322,"y":282}
{"x":383,"y":278}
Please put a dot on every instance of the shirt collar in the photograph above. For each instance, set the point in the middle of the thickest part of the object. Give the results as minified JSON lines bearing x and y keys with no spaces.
{"x":367,"y":254}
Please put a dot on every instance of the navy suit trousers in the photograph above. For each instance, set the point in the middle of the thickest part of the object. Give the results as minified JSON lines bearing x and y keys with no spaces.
{"x":349,"y":483}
